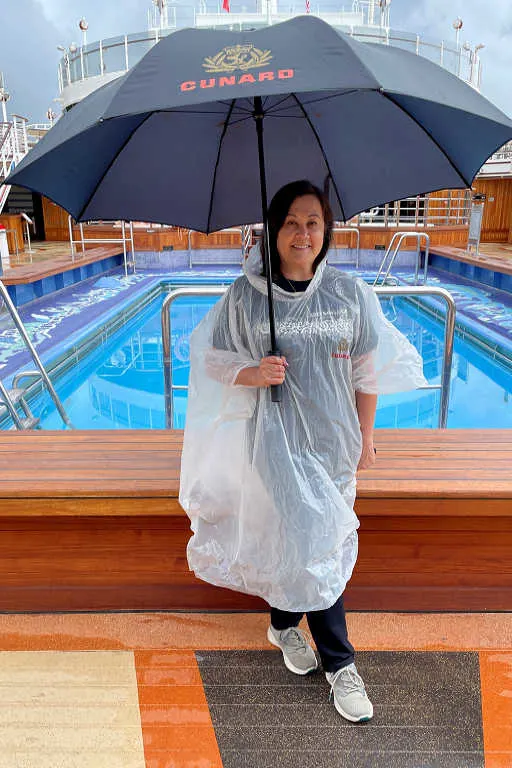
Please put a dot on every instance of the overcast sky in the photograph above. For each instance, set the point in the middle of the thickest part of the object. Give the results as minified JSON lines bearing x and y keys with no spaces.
{"x":31,"y":30}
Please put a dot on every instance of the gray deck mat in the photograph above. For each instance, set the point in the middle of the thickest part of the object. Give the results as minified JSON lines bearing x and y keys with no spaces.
{"x":427,"y":712}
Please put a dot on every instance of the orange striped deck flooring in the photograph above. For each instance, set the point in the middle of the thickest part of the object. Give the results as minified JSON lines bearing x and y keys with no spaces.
{"x":130,"y":691}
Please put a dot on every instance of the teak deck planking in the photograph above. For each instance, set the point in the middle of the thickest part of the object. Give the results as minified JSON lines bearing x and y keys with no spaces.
{"x":37,"y":270}
{"x":91,"y":521}
{"x":495,"y":257}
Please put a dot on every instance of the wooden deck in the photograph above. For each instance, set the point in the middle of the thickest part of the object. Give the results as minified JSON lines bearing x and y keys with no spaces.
{"x":56,"y":263}
{"x":494,"y":256}
{"x":91,"y":521}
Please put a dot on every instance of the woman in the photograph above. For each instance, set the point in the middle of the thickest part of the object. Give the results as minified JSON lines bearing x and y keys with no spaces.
{"x":270,"y":488}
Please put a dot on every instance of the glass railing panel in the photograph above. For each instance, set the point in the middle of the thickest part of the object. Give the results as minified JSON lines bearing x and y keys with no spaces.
{"x":114,"y":59}
{"x":364,"y":36}
{"x":430,"y":51}
{"x":138,"y":46}
{"x":405,"y":41}
{"x":92,"y":61}
{"x":75,"y":68}
{"x":451,"y":61}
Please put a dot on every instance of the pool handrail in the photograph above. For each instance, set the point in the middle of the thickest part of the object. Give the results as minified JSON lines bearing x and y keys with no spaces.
{"x":339,"y":228}
{"x":401,"y":236}
{"x":123,"y":240}
{"x":4,"y":294}
{"x":384,"y":290}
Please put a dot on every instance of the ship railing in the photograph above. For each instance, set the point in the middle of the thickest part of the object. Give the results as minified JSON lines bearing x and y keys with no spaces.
{"x":13,"y":143}
{"x":452,"y":209}
{"x":118,"y":54}
{"x":407,"y":292}
{"x":125,"y":240}
{"x":246,"y":235}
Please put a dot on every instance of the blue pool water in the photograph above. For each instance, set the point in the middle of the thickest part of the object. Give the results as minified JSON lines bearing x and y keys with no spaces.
{"x":120,"y":384}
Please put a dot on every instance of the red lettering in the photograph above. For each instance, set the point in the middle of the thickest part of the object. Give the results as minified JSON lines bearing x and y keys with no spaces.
{"x":265,"y":76}
{"x":188,"y":85}
{"x":207,"y":83}
{"x":247,"y":78}
{"x":226,"y":81}
{"x":285,"y":74}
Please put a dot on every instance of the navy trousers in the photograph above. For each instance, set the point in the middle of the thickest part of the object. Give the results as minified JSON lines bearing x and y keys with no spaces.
{"x":329,"y":631}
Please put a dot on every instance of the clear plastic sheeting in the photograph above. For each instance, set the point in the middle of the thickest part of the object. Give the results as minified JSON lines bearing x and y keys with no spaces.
{"x":270,"y":488}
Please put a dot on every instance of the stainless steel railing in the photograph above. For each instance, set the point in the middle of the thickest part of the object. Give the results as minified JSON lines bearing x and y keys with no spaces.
{"x":35,"y":357}
{"x":358,"y":238}
{"x":245,"y":233}
{"x":449,"y":332}
{"x":404,"y":291}
{"x":124,"y":239}
{"x":400,"y":237}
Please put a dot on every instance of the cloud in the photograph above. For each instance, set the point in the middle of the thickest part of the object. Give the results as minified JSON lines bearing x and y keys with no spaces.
{"x":487,"y":23}
{"x":31,"y":30}
{"x":105,"y":19}
{"x":28,"y":58}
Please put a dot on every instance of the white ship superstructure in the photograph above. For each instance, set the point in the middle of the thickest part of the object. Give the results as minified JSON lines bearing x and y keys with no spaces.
{"x":85,"y":67}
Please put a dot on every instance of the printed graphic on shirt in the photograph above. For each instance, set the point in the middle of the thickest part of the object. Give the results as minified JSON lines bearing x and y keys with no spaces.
{"x":342,"y":350}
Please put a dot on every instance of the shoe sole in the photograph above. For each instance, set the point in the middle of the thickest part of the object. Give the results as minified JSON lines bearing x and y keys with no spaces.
{"x":363,"y":719}
{"x":287,"y":662}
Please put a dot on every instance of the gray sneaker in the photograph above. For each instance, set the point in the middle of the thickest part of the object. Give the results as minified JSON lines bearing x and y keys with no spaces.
{"x":298,"y":655}
{"x":350,"y":698}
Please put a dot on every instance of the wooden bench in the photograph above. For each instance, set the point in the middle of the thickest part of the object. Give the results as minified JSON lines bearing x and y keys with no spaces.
{"x":91,"y":521}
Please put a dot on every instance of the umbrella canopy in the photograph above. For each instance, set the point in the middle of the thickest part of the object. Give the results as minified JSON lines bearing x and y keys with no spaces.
{"x":174,"y":140}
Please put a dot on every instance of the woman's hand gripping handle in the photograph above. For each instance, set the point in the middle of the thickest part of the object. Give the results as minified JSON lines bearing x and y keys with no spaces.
{"x":269,"y":373}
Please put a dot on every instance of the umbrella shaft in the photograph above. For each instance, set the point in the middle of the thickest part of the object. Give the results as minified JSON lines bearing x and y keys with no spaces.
{"x":258,"y":117}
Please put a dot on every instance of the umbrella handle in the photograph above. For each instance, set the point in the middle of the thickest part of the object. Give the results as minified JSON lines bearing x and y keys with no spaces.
{"x":276,"y":390}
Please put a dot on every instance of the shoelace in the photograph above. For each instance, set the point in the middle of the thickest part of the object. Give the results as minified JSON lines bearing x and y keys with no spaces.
{"x":352,"y":682}
{"x":295,"y":639}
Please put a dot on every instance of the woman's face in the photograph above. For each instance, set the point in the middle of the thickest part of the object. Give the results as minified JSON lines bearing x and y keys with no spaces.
{"x":300,"y":239}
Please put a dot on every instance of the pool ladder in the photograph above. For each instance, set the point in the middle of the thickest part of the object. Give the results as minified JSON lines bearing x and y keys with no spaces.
{"x":13,"y":400}
{"x":400,"y":237}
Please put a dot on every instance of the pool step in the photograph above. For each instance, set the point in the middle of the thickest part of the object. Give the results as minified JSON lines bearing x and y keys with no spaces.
{"x":13,"y":404}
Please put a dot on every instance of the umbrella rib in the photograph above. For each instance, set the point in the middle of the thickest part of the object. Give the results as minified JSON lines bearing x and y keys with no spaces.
{"x":240,"y":120}
{"x":109,"y":166}
{"x":433,"y":140}
{"x":322,"y":151}
{"x":337,"y":95}
{"x":226,"y":122}
{"x":276,"y":106}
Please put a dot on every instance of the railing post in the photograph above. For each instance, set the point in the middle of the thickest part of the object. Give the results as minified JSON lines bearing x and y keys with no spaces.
{"x":124,"y":248}
{"x":132,"y":243}
{"x":81,"y":226}
{"x":71,"y":241}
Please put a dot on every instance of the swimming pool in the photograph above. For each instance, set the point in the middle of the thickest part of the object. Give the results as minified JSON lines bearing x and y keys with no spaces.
{"x":119,"y":384}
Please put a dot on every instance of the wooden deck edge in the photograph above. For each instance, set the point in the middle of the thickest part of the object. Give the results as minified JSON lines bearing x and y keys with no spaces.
{"x":412,"y":505}
{"x":31,"y":273}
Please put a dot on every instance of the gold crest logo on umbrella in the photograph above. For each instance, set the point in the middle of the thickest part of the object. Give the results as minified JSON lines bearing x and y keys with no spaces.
{"x":235,"y":57}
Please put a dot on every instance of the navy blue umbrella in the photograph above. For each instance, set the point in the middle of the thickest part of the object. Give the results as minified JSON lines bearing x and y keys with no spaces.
{"x":209,"y":122}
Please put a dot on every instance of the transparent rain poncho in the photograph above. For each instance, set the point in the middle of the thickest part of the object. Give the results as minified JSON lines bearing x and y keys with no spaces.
{"x":270,"y":488}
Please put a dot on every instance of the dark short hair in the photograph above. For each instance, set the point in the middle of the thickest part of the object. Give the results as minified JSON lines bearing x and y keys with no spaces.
{"x":278,"y":211}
